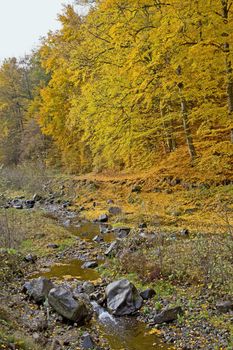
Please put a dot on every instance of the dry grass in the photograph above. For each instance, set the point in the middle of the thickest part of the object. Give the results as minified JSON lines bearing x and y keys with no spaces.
{"x":205,"y":261}
{"x":30,"y":177}
{"x":30,"y":231}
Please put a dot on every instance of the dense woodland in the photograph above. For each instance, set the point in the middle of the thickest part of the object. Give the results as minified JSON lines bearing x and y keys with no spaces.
{"x":129,"y":84}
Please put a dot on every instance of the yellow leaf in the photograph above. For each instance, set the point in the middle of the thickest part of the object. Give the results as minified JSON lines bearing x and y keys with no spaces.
{"x":154,"y":331}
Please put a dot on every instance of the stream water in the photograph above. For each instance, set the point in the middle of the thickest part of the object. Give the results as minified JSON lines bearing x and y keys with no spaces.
{"x":88,"y":230}
{"x":122,"y":333}
{"x":68,"y":270}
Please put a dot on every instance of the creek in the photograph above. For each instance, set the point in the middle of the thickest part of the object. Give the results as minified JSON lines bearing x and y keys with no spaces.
{"x":122,"y":333}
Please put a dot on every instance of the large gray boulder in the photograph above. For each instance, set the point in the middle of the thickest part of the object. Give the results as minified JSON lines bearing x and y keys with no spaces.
{"x":63,"y":302}
{"x":38,"y":288}
{"x":122,"y":298}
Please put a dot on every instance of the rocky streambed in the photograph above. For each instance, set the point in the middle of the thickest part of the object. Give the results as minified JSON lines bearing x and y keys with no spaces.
{"x":72,"y":291}
{"x":81,"y":310}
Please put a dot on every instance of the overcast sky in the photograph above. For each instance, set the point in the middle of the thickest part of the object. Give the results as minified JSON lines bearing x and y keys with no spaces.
{"x":23,"y":22}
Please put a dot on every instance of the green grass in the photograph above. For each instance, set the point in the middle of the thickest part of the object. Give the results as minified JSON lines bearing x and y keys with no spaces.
{"x":31,"y":231}
{"x":17,"y":339}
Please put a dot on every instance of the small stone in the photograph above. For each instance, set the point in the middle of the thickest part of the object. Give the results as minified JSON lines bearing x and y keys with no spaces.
{"x":36,"y":336}
{"x":18,"y":206}
{"x":224,"y":306}
{"x":53,"y":245}
{"x":29,"y":204}
{"x":121,"y":232}
{"x":112,"y":249}
{"x":136,"y":189}
{"x":168,"y":315}
{"x":105,"y":228}
{"x":115,"y":210}
{"x":30,"y":258}
{"x":148,"y":294}
{"x":184,"y":232}
{"x":67,"y":223}
{"x":142,"y":225}
{"x":87,"y":342}
{"x":88,"y":287}
{"x":98,"y":239}
{"x":90,"y":265}
{"x":103,"y":218}
{"x":190,"y":211}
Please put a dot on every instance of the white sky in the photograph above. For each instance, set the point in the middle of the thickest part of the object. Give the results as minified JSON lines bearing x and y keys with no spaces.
{"x":23,"y":22}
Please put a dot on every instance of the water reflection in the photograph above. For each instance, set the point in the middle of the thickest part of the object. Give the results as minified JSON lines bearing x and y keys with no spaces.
{"x":70,"y":269}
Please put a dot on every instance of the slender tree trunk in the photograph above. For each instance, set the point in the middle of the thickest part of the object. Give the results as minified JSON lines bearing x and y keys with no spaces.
{"x":130,"y":161}
{"x":230,"y":103}
{"x":229,"y":70}
{"x":168,"y":129}
{"x":185,"y":118}
{"x":19,"y":117}
{"x":186,"y":124}
{"x":230,"y":94}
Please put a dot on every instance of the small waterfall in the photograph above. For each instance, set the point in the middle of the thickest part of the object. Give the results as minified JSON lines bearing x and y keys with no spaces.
{"x":103,"y":315}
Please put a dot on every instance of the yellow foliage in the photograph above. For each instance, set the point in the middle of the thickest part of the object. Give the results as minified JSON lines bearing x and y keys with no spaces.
{"x":134,"y":81}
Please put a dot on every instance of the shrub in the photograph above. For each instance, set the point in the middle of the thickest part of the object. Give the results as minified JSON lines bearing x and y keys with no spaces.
{"x":30,"y":176}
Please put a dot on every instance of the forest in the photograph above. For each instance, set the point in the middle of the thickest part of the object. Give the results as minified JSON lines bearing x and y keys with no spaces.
{"x":126,"y":86}
{"x":116,"y":180}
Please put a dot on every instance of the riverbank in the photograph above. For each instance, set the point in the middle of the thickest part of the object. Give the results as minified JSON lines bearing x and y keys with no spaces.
{"x":170,"y":246}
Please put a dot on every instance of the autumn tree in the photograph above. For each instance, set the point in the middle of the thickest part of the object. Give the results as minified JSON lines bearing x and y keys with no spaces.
{"x":20,"y":82}
{"x":135,"y":80}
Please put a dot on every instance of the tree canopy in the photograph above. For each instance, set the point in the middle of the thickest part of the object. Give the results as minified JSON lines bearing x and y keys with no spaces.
{"x":129,"y":84}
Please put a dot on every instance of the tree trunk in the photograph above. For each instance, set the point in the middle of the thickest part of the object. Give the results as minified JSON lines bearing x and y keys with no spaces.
{"x":168,"y":129}
{"x":186,"y":124}
{"x":229,"y":70}
{"x":230,"y":102}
